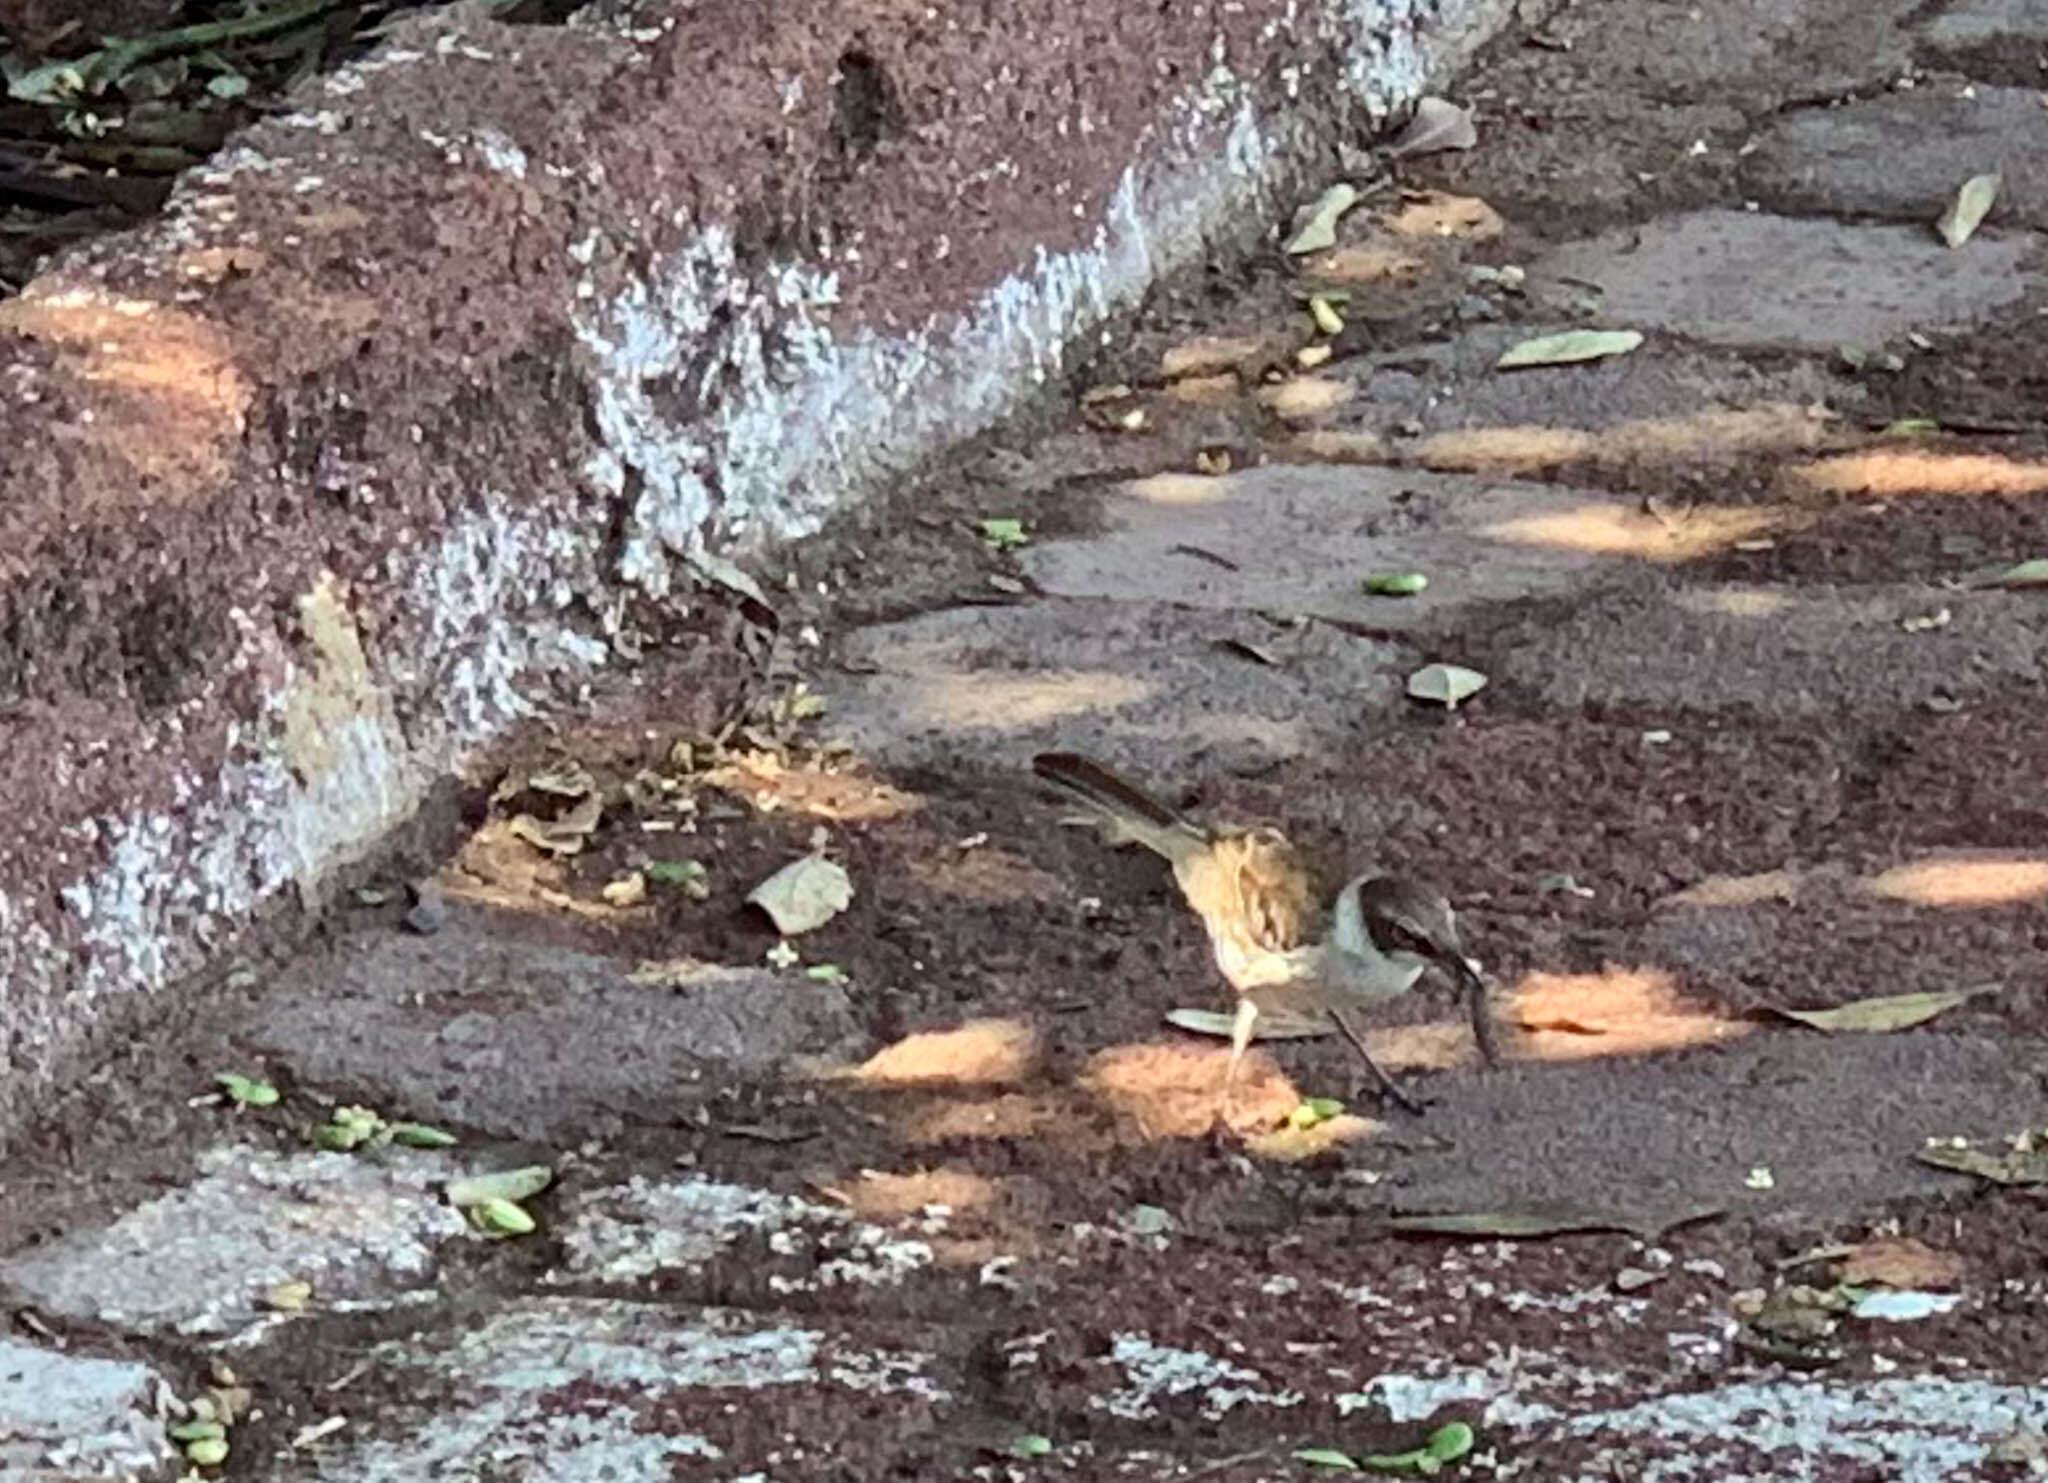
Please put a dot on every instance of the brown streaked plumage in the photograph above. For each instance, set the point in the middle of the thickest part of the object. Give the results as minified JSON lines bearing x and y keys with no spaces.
{"x":1277,"y":943}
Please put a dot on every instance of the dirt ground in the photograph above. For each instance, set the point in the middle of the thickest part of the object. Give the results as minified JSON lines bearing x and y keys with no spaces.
{"x":1788,"y":762}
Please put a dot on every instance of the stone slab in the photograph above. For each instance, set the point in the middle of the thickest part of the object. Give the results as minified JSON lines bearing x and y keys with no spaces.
{"x":481,"y":1027}
{"x":78,"y":1417}
{"x":1762,"y":282}
{"x":1813,"y":652}
{"x":1144,"y":685}
{"x":579,"y":1388}
{"x":1901,"y":155}
{"x":438,"y":390}
{"x":199,"y":1259}
{"x":1300,"y":541}
{"x":1967,"y":23}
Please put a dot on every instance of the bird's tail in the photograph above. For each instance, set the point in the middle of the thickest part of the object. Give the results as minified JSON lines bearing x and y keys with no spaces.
{"x":1128,"y":813}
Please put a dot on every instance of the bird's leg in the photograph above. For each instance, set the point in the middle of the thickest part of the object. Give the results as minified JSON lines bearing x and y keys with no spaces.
{"x":1383,"y":1082}
{"x":1482,"y":1018}
{"x":1240,"y":1041}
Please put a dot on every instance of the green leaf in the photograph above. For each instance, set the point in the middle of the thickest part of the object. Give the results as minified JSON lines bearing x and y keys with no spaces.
{"x":1148,"y":1220}
{"x":1415,"y":1461}
{"x":2027,"y":574}
{"x":421,"y":1135}
{"x":197,"y":1431}
{"x":1887,"y":1012}
{"x":348,"y":1128}
{"x":1031,"y":1445}
{"x":1395,"y":584}
{"x":1005,"y":533}
{"x":247,"y":1091}
{"x":674,"y":872}
{"x":1446,"y":1444}
{"x":1313,"y":1111}
{"x":825,"y":973}
{"x":1569,"y":348}
{"x":1450,"y":1442}
{"x":506,"y":1184}
{"x":1446,"y":684}
{"x":500,"y":1218}
{"x":1911,"y":427}
{"x":228,"y":85}
{"x":207,"y":1452}
{"x":1325,"y":1457}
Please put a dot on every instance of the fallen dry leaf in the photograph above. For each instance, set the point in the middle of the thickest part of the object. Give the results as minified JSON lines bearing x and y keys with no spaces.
{"x":1548,"y":1220}
{"x":1369,"y":263}
{"x":1316,"y":225}
{"x":1206,"y":355}
{"x":564,"y":835}
{"x":1900,"y":1261}
{"x":1342,"y":447}
{"x":1440,"y":214}
{"x":1569,"y":347}
{"x":804,"y":895}
{"x":1438,"y":124}
{"x":1305,"y":398}
{"x":1966,"y":211}
{"x":1737,"y":890}
{"x":2023,"y":1162}
{"x":627,"y":890}
{"x":1205,"y":391}
{"x":1886,"y":1012}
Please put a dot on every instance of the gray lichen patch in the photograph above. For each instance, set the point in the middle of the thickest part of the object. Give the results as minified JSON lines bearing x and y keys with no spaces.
{"x":643,"y":1228}
{"x":584,"y":1388}
{"x":198,"y":1260}
{"x":74,"y":1416}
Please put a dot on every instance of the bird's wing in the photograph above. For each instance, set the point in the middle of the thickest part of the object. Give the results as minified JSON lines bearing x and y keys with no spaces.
{"x":1276,"y":895}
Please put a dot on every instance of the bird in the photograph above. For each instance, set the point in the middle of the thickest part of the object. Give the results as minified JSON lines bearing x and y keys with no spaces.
{"x":1281,"y":947}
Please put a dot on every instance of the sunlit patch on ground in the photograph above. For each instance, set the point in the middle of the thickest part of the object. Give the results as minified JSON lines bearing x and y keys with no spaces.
{"x":1619,"y":1012}
{"x":1435,"y":1045}
{"x":1736,"y":602}
{"x":990,"y":1052}
{"x":879,"y":1196}
{"x":1904,"y":471}
{"x":1288,"y":1144}
{"x":1181,"y":489}
{"x":1705,"y":436}
{"x":1628,"y":530}
{"x":186,"y":402}
{"x":1504,"y":449}
{"x":1006,"y":1116}
{"x":1965,"y":880}
{"x":986,"y":874}
{"x":768,"y":783}
{"x":1013,"y":702}
{"x":1174,"y":1089}
{"x":1737,"y":890}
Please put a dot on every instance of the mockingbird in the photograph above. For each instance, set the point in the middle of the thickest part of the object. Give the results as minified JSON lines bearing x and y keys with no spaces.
{"x":1284,"y":949}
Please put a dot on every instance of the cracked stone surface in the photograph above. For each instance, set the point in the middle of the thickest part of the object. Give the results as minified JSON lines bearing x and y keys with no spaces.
{"x":78,"y":1416}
